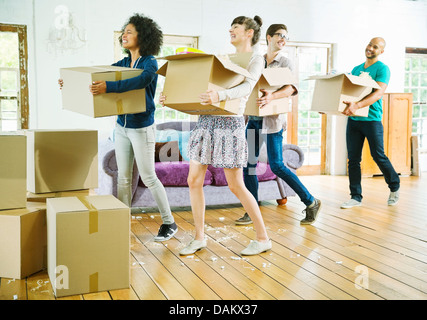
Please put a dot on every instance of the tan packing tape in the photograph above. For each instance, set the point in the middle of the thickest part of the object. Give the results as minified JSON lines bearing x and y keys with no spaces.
{"x":93,"y":282}
{"x":119,"y":103}
{"x":93,"y":227}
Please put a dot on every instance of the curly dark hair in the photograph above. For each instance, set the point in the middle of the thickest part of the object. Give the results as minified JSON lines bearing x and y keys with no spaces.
{"x":150,"y":36}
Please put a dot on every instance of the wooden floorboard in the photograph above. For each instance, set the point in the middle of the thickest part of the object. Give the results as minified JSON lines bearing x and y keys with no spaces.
{"x":384,"y":246}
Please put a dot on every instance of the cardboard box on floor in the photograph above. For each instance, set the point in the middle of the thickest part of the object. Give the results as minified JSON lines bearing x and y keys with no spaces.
{"x":22,"y":242}
{"x":13,"y":170}
{"x":77,"y":97}
{"x":61,"y":160}
{"x":331,"y":90}
{"x":88,"y":244}
{"x":41,"y":197}
{"x":189,"y":75}
{"x":271,"y":80}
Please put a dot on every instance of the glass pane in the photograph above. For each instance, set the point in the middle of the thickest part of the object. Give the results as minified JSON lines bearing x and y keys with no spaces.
{"x":407,"y":79}
{"x":424,"y":112}
{"x":415,"y":63}
{"x":415,"y":111}
{"x":415,"y":95}
{"x":9,"y":106}
{"x":9,"y":82}
{"x":415,"y":82}
{"x":424,"y":77}
{"x":407,"y":64}
{"x":9,"y":125}
{"x":423,"y":95}
{"x":9,"y":50}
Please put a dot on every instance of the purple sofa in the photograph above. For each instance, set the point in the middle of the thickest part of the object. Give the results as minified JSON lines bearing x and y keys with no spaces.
{"x":173,"y":173}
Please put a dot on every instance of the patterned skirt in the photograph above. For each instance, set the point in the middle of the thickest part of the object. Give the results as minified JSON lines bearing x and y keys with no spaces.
{"x":219,"y":141}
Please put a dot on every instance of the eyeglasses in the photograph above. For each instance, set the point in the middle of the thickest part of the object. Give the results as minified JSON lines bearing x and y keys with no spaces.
{"x":281,"y":35}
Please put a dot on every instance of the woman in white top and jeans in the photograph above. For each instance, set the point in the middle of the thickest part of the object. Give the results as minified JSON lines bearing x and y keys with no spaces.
{"x":220,"y":141}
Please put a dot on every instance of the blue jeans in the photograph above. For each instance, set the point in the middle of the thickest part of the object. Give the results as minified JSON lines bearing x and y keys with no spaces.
{"x":373,"y":131}
{"x":275,"y":157}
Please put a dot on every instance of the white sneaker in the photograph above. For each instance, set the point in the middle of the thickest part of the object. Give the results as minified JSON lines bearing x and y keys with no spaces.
{"x":256,"y":247}
{"x":350,"y":204}
{"x":193,"y":246}
{"x":393,"y":199}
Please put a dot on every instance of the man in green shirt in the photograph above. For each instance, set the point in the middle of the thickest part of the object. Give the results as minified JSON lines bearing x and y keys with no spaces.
{"x":371,"y":128}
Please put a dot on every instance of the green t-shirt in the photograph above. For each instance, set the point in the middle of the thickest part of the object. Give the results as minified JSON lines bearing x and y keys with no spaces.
{"x":380,"y":73}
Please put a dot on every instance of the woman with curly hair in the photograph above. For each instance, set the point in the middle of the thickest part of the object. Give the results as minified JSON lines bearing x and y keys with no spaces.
{"x":135,"y":133}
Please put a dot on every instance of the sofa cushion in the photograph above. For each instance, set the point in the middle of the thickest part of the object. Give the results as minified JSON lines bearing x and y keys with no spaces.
{"x":263,"y":171}
{"x":175,"y":173}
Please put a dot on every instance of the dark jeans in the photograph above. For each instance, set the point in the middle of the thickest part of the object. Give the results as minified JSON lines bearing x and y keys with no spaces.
{"x":374,"y":132}
{"x":275,"y":158}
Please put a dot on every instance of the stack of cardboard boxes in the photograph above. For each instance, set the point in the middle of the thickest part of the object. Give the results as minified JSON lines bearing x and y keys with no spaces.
{"x":49,"y":219}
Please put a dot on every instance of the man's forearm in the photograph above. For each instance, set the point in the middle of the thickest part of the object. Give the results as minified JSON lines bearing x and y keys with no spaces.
{"x":284,"y":92}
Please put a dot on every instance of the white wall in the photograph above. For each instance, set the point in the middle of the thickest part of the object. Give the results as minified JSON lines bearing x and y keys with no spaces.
{"x":348,"y":24}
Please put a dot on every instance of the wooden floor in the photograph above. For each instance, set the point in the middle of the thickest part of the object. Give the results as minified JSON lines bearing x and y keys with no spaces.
{"x":370,"y":252}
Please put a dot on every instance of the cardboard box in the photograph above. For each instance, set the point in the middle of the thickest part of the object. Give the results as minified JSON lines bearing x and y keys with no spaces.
{"x":13,"y":171}
{"x":41,"y":197}
{"x":61,"y":160}
{"x":331,"y":90}
{"x":272,"y":79}
{"x":88,"y":244}
{"x":22,"y":242}
{"x":189,"y":75}
{"x":77,"y":97}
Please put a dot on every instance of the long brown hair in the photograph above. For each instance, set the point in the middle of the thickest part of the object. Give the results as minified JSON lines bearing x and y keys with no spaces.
{"x":249,"y":23}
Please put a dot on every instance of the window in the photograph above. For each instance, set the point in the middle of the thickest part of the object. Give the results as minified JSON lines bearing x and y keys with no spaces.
{"x":416,"y":82}
{"x":13,"y":78}
{"x":170,"y":44}
{"x":305,"y":128}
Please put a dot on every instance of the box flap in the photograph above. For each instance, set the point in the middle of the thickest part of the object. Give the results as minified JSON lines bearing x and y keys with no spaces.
{"x":279,"y":76}
{"x":184,"y":56}
{"x":74,"y":204}
{"x":360,"y":81}
{"x":105,"y":202}
{"x":163,"y":68}
{"x":224,"y":59}
{"x":363,"y":81}
{"x":100,"y":69}
{"x":67,"y":204}
{"x":228,"y":64}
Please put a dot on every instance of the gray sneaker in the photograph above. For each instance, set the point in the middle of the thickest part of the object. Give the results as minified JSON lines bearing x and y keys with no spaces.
{"x":193,"y":246}
{"x":256,"y":247}
{"x":350,"y":204}
{"x":244,"y":220}
{"x":311,"y":213}
{"x":393,"y":199}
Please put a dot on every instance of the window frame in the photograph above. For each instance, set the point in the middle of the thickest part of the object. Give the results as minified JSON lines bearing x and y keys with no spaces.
{"x":22,"y":95}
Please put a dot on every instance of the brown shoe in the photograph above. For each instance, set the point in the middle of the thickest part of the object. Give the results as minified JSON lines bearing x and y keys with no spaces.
{"x":244,"y":220}
{"x":311,"y":212}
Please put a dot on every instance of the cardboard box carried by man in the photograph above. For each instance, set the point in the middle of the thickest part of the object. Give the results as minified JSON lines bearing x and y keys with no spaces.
{"x":332,"y":89}
{"x":272,"y":79}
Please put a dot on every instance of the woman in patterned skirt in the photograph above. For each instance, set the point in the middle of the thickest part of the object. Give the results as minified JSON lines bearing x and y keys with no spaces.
{"x":220,"y":141}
